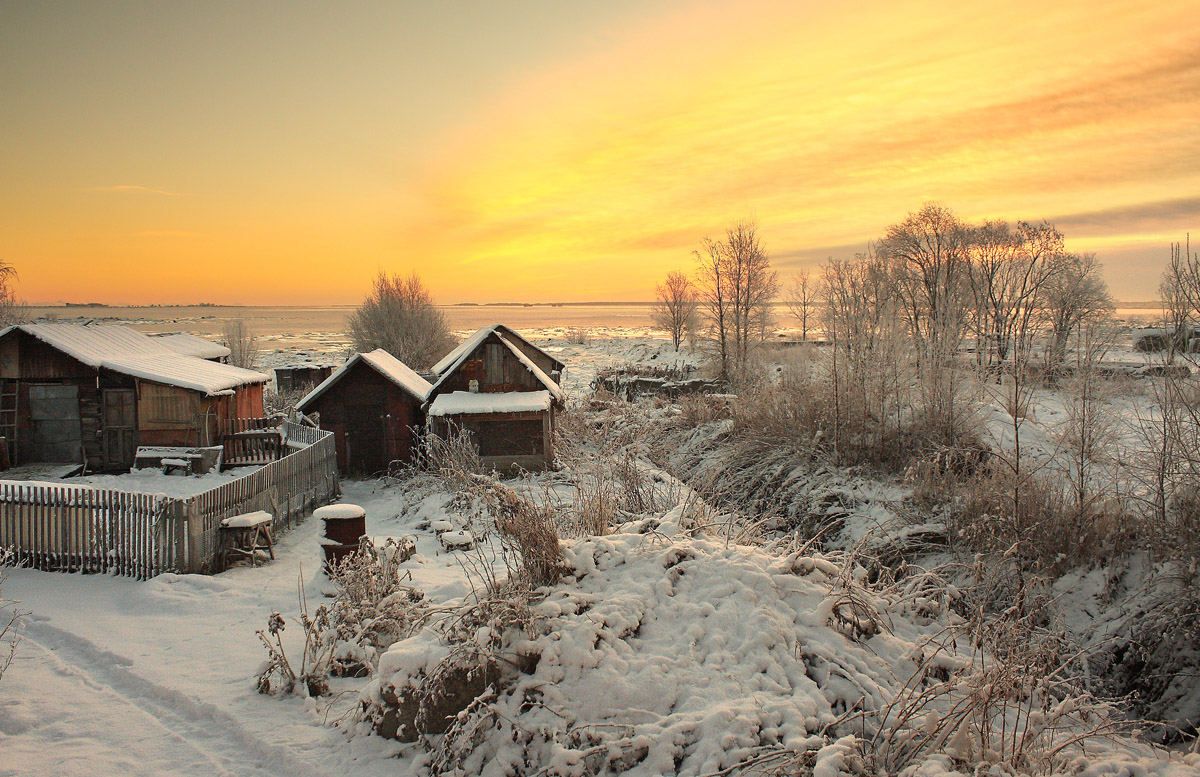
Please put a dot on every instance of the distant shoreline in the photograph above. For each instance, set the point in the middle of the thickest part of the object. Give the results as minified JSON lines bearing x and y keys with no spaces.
{"x":105,"y":305}
{"x":84,"y":306}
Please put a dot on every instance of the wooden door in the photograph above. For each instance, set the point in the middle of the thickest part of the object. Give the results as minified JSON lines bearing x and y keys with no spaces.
{"x":56,"y":433}
{"x":120,"y":427}
{"x":364,"y":437}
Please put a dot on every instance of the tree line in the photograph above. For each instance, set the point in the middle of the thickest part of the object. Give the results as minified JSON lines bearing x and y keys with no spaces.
{"x":933,"y":278}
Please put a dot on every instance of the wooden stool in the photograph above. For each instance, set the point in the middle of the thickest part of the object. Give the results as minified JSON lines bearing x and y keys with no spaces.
{"x":244,"y":535}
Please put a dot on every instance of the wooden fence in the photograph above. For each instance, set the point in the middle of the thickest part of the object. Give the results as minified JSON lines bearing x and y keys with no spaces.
{"x":82,"y":529}
{"x":288,"y":488}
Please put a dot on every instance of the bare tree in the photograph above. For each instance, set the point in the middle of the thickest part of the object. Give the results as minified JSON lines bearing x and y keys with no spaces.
{"x":870,"y":358}
{"x":675,"y":307}
{"x":1090,"y":431}
{"x":12,"y":310}
{"x":400,"y":317}
{"x":737,"y":286}
{"x":929,"y":258}
{"x":801,"y":299}
{"x":1075,"y":295}
{"x":1009,"y":271}
{"x":715,"y":297}
{"x":242,"y":343}
{"x":1171,"y":435}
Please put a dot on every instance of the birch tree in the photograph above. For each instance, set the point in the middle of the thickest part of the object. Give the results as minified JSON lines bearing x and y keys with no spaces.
{"x":675,"y":307}
{"x":736,"y":285}
{"x":801,"y":299}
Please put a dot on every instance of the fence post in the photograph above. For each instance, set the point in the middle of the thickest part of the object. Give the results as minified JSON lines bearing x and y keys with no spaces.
{"x":192,"y":536}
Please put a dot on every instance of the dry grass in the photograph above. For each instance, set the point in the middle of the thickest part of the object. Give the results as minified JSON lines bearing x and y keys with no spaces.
{"x":373,"y":607}
{"x":1031,"y":518}
{"x":8,"y":624}
{"x":453,"y":457}
{"x":1000,"y":690}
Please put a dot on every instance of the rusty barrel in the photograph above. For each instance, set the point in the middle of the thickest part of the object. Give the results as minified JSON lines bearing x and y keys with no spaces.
{"x":345,"y":526}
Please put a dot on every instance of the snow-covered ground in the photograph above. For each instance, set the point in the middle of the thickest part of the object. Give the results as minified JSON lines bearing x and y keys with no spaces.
{"x":152,"y":481}
{"x":113,"y":676}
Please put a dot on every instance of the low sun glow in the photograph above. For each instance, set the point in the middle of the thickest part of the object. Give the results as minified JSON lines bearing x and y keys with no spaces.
{"x":589,"y":171}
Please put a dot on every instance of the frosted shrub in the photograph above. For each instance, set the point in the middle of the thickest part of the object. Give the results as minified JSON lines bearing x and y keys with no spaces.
{"x":698,"y":410}
{"x":371,"y":610}
{"x":453,"y":457}
{"x":1015,"y":707}
{"x":527,"y":531}
{"x":8,"y":624}
{"x":1032,"y":521}
{"x":311,"y":676}
{"x":282,"y":402}
{"x":399,"y":315}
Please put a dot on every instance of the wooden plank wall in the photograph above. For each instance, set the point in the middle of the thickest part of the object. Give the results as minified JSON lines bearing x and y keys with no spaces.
{"x":80,"y":529}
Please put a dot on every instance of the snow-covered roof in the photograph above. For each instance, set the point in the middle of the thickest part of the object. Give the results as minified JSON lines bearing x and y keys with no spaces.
{"x":444,"y":369}
{"x":133,"y":353}
{"x":315,"y":364}
{"x":382,"y":362}
{"x":471,"y":403}
{"x":190,"y":345}
{"x":537,"y":371}
{"x":464,"y":348}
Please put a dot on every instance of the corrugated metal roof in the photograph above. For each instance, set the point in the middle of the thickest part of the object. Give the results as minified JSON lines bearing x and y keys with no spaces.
{"x":190,"y":345}
{"x":130,"y":352}
{"x":382,"y":362}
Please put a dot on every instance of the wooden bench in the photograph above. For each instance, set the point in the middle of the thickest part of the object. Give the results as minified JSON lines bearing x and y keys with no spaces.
{"x":172,"y":459}
{"x":242,"y":536}
{"x":173,"y":466}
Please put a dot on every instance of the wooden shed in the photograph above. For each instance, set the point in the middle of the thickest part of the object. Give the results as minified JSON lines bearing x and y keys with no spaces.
{"x":301,"y":377}
{"x":92,"y":394}
{"x":372,"y":404}
{"x":504,"y":391}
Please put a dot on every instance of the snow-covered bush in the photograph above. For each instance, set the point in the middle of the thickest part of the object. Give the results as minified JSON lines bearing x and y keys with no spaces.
{"x":451,"y":669}
{"x":371,"y":610}
{"x":697,"y":657}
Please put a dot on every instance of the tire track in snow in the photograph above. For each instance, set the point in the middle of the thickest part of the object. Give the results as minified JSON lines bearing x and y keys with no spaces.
{"x":215,"y":735}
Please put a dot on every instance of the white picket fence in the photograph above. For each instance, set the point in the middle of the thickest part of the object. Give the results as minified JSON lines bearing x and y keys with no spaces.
{"x":82,"y":529}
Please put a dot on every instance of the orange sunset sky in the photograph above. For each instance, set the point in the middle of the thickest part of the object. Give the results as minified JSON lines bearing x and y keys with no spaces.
{"x":283,"y":153}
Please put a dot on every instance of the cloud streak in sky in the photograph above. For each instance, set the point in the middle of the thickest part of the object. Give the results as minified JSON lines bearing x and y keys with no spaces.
{"x":825,"y":132}
{"x":134,"y":188}
{"x":589,"y":159}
